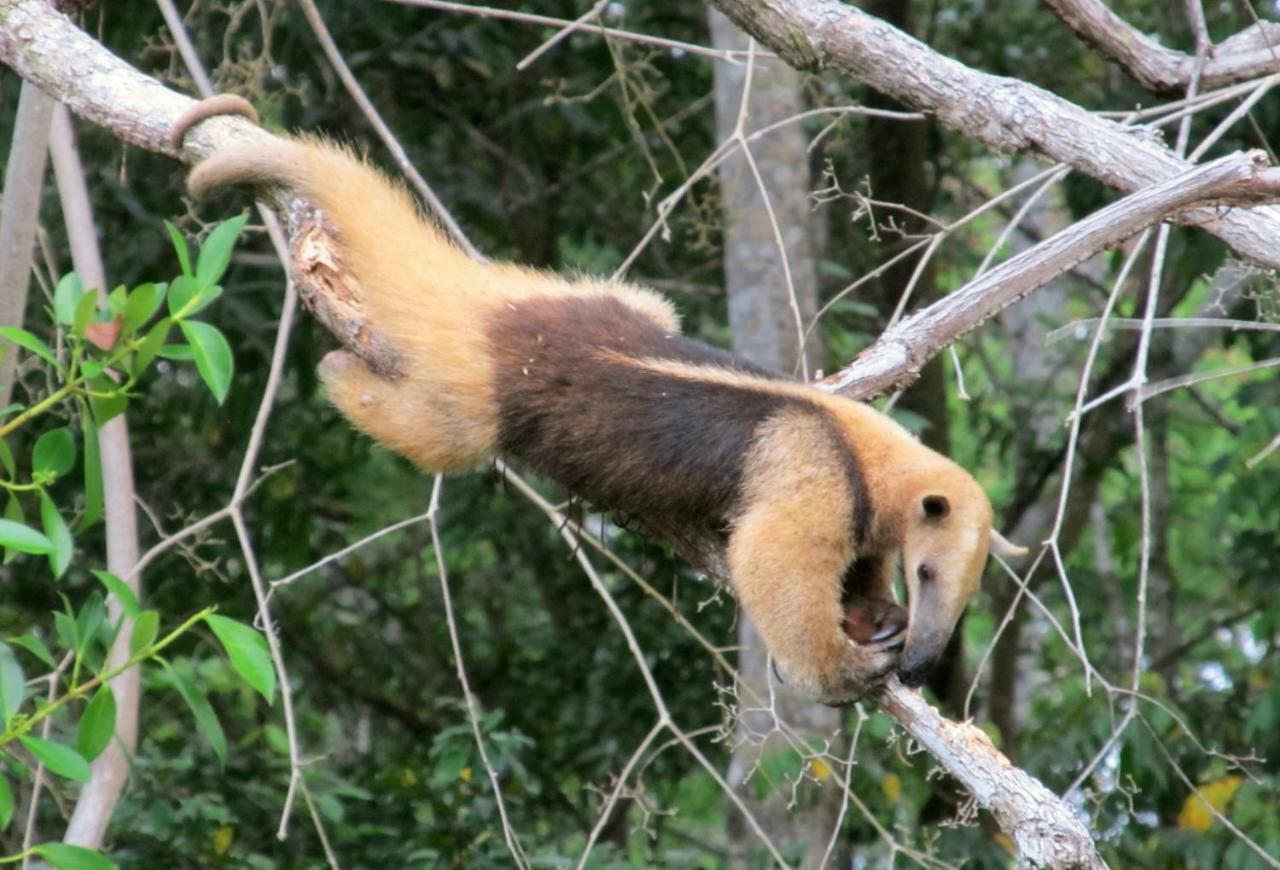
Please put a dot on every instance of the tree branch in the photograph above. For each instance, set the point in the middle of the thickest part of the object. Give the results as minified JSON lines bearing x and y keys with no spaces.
{"x":1003,"y":113}
{"x":898,"y":354}
{"x":1249,"y":54}
{"x":23,"y":182}
{"x":98,"y":798}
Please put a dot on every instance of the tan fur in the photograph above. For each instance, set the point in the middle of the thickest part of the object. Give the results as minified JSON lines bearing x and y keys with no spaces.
{"x":791,"y":538}
{"x":425,"y":295}
{"x":787,"y":553}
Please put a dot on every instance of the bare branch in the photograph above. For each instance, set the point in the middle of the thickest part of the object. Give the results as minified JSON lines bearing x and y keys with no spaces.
{"x":23,"y":180}
{"x":1003,"y":113}
{"x":1045,"y":831}
{"x":904,"y":348}
{"x":110,"y":769}
{"x":1250,"y":53}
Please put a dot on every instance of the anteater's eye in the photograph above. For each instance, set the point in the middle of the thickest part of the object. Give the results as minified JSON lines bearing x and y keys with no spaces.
{"x":925,"y":573}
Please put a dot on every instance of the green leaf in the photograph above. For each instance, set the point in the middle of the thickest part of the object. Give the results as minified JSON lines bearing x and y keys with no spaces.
{"x":6,"y":459}
{"x":55,"y":452}
{"x":248,"y":652}
{"x":143,"y":303}
{"x":66,"y":296}
{"x":35,"y":646}
{"x":151,"y":345}
{"x":212,"y":355}
{"x":61,"y":760}
{"x":215,"y":253}
{"x":110,"y":401}
{"x":65,"y":628}
{"x":206,"y":720}
{"x":93,"y":503}
{"x":6,"y":803}
{"x":64,"y":856}
{"x":24,"y":539}
{"x":180,"y":352}
{"x":12,"y":684}
{"x":92,"y":615}
{"x":97,"y":725}
{"x":22,"y":338}
{"x":179,"y":245}
{"x":117,"y":298}
{"x":121,"y":591}
{"x":182,"y":291}
{"x":145,"y":628}
{"x":13,"y":513}
{"x":55,"y":529}
{"x":85,"y":309}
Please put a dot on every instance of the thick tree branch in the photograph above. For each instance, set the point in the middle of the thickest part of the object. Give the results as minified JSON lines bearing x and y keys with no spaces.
{"x":110,"y":769}
{"x":23,"y":182}
{"x":1043,"y":828}
{"x":1003,"y":113}
{"x":1253,"y":52}
{"x":899,"y":353}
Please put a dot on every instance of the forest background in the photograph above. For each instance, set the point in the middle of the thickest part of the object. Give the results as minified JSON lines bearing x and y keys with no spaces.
{"x":1130,"y":664}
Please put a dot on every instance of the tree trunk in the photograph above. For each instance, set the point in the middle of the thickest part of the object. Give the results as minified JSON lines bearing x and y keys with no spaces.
{"x":763,"y":316}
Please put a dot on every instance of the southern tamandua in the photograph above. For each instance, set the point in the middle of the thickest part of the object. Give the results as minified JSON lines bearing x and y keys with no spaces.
{"x":591,"y":383}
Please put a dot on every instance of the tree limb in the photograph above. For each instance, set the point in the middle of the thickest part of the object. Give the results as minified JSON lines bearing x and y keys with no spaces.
{"x":110,"y":770}
{"x":1253,"y":52}
{"x":23,"y":181}
{"x":1003,"y":113}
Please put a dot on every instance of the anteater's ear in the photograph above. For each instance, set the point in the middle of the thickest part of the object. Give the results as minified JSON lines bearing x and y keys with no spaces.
{"x":1002,"y":546}
{"x":935,"y":507}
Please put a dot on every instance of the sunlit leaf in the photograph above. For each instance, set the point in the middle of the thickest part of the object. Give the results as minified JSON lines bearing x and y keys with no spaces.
{"x":151,"y":344}
{"x":212,"y":355}
{"x":180,"y":246}
{"x":66,"y":296}
{"x":179,"y":352}
{"x":35,"y":646}
{"x":83,"y":316}
{"x":97,"y":724}
{"x":145,"y":628}
{"x":55,"y":452}
{"x":55,"y":529}
{"x":24,"y":538}
{"x":248,"y":652}
{"x":22,"y":338}
{"x":1196,"y":814}
{"x":215,"y":253}
{"x":206,"y":719}
{"x":117,"y":298}
{"x":12,"y":683}
{"x":61,"y":760}
{"x":121,"y":591}
{"x":143,"y":302}
{"x":64,"y":856}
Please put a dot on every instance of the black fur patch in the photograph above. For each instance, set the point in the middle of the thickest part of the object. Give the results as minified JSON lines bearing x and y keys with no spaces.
{"x":863,"y":510}
{"x":628,"y":439}
{"x":625,"y":438}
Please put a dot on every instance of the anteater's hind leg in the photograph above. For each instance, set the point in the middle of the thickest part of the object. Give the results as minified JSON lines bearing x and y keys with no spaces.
{"x":404,"y":414}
